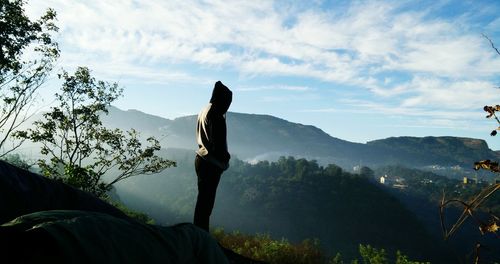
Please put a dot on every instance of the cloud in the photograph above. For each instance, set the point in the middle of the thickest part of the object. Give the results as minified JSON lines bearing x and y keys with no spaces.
{"x":437,"y":93}
{"x":408,"y":56}
{"x":411,"y":116}
{"x":291,"y":88}
{"x":114,"y":71}
{"x":357,"y":106}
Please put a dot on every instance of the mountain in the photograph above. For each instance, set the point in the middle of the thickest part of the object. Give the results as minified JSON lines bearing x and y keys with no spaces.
{"x":132,"y":118}
{"x":255,"y":137}
{"x":446,"y":151}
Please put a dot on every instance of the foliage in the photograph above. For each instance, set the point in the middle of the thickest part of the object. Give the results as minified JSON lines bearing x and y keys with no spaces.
{"x":416,"y":152}
{"x":342,"y":209}
{"x":262,"y":247}
{"x":80,"y":150}
{"x":403,"y":259}
{"x":17,"y":160}
{"x":367,"y":172}
{"x":139,"y":216}
{"x":294,"y":198}
{"x":337,"y":259}
{"x":20,"y":78}
{"x":371,"y":255}
{"x":430,"y":186}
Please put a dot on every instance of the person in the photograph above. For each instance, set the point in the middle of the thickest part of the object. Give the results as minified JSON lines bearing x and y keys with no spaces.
{"x":212,"y":156}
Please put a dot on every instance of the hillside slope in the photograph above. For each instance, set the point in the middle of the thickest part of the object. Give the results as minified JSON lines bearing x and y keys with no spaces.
{"x":264,"y":137}
{"x":447,"y":151}
{"x":291,"y":198}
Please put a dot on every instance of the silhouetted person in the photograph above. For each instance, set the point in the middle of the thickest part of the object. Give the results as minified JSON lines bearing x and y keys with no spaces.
{"x":212,"y":156}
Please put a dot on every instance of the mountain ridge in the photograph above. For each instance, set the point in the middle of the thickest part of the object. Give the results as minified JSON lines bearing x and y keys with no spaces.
{"x":265,"y":137}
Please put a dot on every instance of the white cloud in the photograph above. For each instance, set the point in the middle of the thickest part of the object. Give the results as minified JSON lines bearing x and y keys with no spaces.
{"x":288,"y":98}
{"x":362,"y":45}
{"x":292,"y":88}
{"x":369,"y":107}
{"x":432,"y":92}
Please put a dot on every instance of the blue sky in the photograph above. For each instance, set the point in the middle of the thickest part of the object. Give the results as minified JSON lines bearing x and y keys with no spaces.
{"x":359,"y":70}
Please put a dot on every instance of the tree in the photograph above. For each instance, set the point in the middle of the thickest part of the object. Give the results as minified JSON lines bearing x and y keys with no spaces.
{"x":20,"y":78}
{"x":372,"y":255}
{"x":17,"y":160}
{"x":80,"y":150}
{"x":367,"y":172}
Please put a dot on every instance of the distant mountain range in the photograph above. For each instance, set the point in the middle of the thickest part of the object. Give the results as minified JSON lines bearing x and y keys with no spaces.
{"x":264,"y":137}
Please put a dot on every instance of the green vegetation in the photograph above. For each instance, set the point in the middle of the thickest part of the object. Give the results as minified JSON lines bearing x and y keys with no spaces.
{"x":21,"y":78}
{"x":447,"y":151}
{"x":431,"y":186}
{"x":299,"y":199}
{"x":262,"y":247}
{"x":139,"y":216}
{"x":371,"y":255}
{"x":79,"y":149}
{"x":17,"y":160}
{"x":292,"y":198}
{"x":424,"y":195}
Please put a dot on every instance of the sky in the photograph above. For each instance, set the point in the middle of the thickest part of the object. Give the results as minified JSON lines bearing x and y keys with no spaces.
{"x":359,"y":70}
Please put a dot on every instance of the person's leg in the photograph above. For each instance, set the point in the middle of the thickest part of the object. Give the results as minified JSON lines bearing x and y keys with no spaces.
{"x":208,"y":180}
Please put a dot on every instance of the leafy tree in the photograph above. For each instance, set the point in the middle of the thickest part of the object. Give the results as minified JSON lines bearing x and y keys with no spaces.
{"x":337,"y":259}
{"x":79,"y":148}
{"x":367,"y":172}
{"x":17,"y":160}
{"x":20,"y":78}
{"x":402,"y":259}
{"x":263,"y":247}
{"x":137,"y":215}
{"x":372,"y":255}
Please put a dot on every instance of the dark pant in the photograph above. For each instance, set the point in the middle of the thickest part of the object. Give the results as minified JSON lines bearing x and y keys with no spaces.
{"x":208,"y":180}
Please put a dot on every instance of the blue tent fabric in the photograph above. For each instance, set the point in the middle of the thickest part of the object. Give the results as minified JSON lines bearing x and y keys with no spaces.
{"x":92,"y":237}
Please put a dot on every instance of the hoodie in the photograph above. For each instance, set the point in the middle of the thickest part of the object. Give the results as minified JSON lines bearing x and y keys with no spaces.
{"x":211,"y":130}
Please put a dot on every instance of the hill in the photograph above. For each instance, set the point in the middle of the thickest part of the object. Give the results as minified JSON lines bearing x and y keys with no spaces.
{"x":423,"y":194}
{"x":291,"y":198}
{"x":446,"y":151}
{"x":254,"y":137}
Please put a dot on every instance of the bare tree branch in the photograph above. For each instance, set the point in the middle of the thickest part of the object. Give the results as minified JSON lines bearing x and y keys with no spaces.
{"x":491,"y":42}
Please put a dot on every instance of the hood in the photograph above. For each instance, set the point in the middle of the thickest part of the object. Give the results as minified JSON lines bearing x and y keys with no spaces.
{"x":221,"y":97}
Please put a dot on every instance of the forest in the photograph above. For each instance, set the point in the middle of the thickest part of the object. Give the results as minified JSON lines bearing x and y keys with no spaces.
{"x":292,"y":198}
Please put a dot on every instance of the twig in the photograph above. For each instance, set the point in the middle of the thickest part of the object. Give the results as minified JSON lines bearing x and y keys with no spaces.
{"x":468,"y":209}
{"x":491,"y":42}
